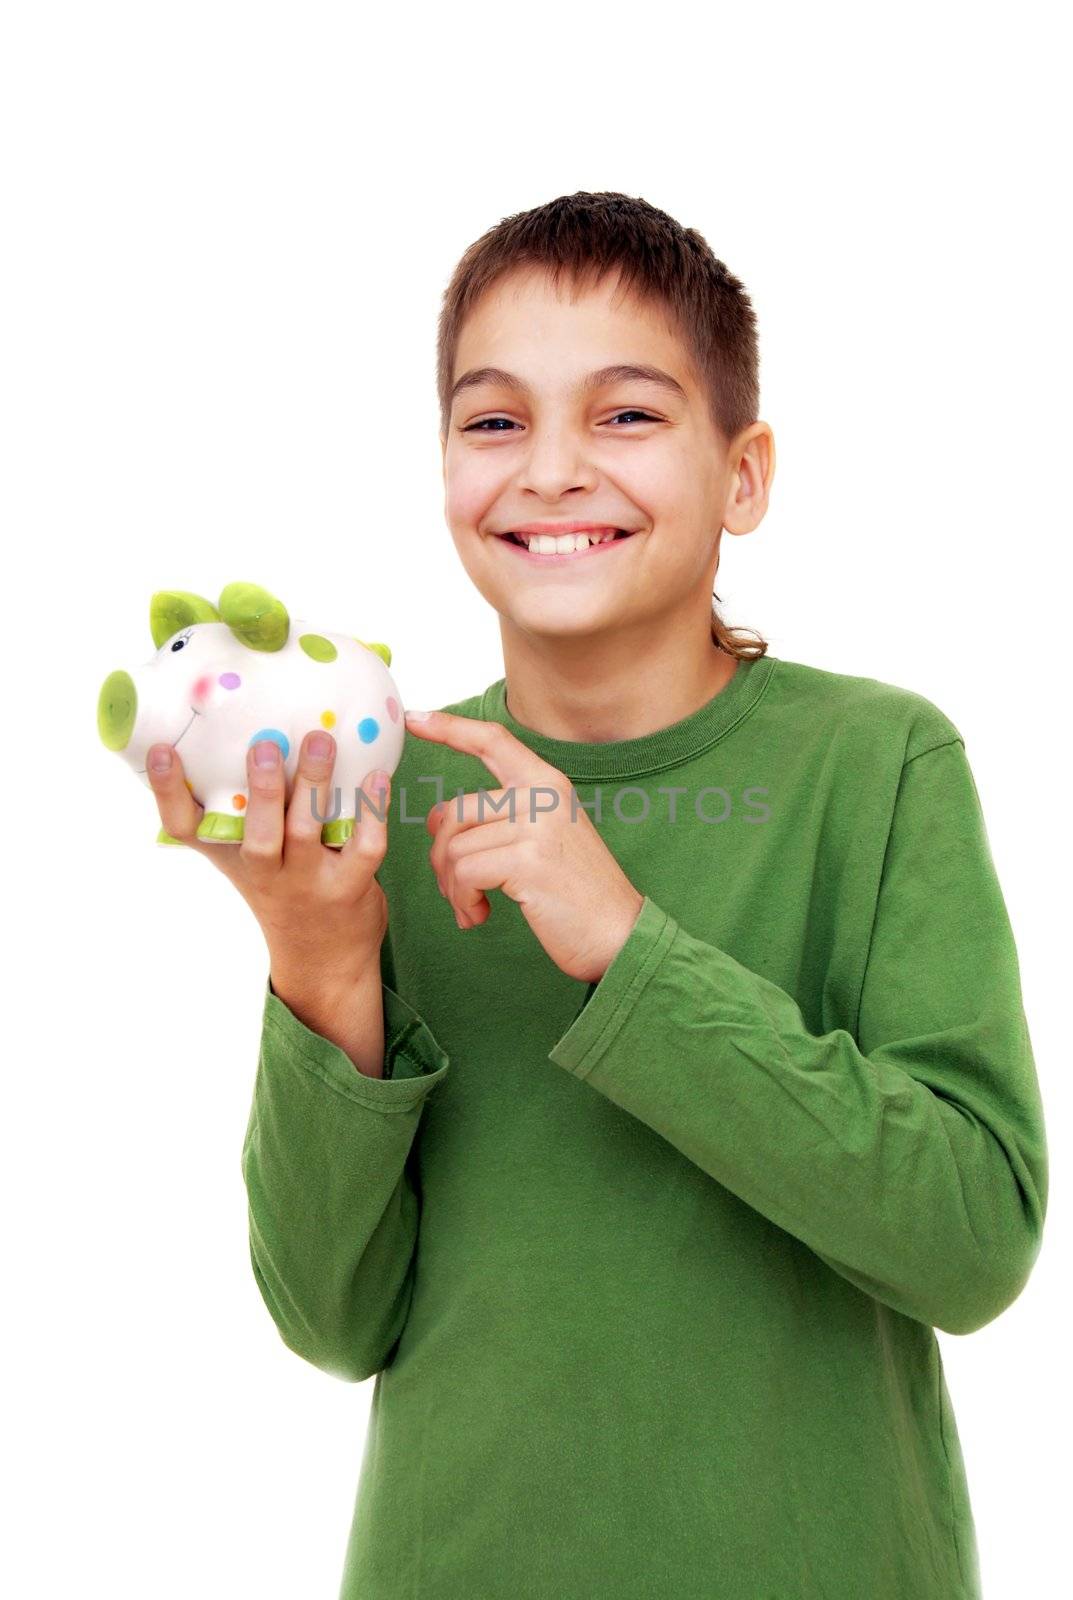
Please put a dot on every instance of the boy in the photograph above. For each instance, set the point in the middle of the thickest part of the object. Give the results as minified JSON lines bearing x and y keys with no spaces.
{"x":643,"y":1203}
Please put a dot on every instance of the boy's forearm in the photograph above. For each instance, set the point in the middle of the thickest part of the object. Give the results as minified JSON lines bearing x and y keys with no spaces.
{"x":348,"y":1013}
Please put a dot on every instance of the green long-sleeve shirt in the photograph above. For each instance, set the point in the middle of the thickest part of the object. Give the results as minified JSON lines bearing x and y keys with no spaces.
{"x":648,"y":1270}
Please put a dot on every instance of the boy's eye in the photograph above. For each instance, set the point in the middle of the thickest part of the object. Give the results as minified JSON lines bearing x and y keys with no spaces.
{"x":484,"y":423}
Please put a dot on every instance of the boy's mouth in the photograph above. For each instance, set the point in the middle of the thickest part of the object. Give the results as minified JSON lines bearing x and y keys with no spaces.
{"x":571,"y":546}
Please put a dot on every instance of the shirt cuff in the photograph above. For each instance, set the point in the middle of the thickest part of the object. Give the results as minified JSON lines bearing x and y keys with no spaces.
{"x":603,"y":1013}
{"x":413,"y":1059}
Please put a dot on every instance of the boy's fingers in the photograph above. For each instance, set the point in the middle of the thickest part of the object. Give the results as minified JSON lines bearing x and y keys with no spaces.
{"x":310,"y":804}
{"x":368,"y":843}
{"x":508,"y":758}
{"x":179,"y":811}
{"x":262,"y":828}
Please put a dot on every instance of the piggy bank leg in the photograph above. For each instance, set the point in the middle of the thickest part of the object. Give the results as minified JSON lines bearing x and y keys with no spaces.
{"x":222,"y":822}
{"x":337,"y":833}
{"x":164,"y":837}
{"x":221,"y":827}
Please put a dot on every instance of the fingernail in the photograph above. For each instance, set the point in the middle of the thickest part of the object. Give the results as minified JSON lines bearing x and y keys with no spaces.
{"x":379,"y":781}
{"x":265,"y":753}
{"x":418,"y":716}
{"x":320,"y":745}
{"x":160,"y":760}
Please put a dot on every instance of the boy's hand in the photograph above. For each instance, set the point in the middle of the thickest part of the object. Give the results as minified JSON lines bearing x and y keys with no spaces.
{"x":545,"y":853}
{"x":321,"y":910}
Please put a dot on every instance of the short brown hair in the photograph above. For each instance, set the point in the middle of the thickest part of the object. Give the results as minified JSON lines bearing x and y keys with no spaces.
{"x":584,"y":236}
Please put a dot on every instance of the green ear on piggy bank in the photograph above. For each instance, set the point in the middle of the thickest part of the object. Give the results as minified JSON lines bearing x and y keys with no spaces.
{"x":225,"y":677}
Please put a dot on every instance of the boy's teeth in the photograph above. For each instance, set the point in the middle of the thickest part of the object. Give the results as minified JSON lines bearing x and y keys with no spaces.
{"x":547,"y":544}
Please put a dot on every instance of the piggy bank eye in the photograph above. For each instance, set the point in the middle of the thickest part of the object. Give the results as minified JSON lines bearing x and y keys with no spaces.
{"x":178,"y":644}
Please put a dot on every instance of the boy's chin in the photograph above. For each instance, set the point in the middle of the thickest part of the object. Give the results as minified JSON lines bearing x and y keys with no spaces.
{"x":557,"y":620}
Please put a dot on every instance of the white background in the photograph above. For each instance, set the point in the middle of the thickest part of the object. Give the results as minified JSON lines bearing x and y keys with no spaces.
{"x":227,"y":231}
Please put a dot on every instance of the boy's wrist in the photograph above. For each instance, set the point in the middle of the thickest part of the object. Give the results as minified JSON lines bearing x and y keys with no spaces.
{"x":321,"y":990}
{"x":345,"y":1009}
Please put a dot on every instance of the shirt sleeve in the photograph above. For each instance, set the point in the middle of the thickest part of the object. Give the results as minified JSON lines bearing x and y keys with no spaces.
{"x":333,"y":1209}
{"x":910,"y":1154}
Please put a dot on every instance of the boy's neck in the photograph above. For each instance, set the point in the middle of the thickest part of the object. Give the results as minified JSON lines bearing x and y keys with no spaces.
{"x":593,"y":697}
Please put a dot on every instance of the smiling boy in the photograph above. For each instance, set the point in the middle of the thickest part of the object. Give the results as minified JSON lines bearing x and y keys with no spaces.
{"x":641,"y":1171}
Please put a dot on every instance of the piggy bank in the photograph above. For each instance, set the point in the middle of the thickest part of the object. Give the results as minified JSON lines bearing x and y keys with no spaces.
{"x":224,"y":678}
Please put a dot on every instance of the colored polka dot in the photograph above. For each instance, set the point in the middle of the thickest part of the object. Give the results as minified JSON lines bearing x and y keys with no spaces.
{"x":189,"y":785}
{"x":276,"y":738}
{"x":392,"y":708}
{"x":368,"y":728}
{"x":239,"y":802}
{"x":327,"y":719}
{"x":319,"y":648}
{"x":229,"y":680}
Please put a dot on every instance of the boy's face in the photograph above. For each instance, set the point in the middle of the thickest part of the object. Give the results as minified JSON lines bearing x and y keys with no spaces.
{"x":625,"y":454}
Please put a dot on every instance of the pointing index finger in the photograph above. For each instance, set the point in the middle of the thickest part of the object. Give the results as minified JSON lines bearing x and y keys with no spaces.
{"x":511,"y":761}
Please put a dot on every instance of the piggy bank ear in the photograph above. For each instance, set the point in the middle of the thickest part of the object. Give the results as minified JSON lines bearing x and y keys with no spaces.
{"x":172,"y":609}
{"x":255,"y":616}
{"x":382,"y":650}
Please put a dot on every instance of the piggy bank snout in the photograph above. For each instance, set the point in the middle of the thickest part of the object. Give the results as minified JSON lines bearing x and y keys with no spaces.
{"x":117,"y":709}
